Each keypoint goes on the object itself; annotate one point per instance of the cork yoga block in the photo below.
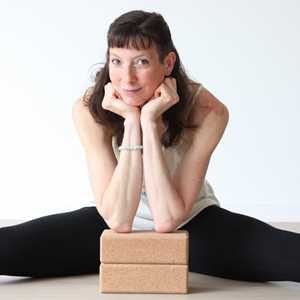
(145, 247)
(143, 262)
(147, 278)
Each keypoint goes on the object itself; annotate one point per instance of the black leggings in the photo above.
(221, 243)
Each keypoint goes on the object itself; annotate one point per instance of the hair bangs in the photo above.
(127, 40)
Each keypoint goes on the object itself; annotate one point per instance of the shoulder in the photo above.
(211, 117)
(204, 101)
(80, 106)
(82, 115)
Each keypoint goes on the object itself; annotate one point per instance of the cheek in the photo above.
(152, 80)
(113, 75)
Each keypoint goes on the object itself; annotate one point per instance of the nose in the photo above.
(129, 75)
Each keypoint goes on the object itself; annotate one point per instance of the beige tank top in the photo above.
(143, 219)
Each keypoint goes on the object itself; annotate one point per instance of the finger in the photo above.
(170, 88)
(118, 95)
(157, 93)
(171, 83)
(175, 83)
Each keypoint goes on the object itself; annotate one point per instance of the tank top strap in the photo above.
(194, 97)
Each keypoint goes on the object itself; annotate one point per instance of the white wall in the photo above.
(245, 52)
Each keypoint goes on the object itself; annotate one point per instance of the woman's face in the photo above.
(135, 74)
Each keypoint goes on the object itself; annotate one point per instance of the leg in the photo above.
(55, 245)
(235, 246)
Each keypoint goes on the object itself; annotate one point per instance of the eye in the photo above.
(145, 61)
(115, 59)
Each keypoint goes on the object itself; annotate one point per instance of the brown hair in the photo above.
(138, 29)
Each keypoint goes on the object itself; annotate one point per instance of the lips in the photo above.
(131, 90)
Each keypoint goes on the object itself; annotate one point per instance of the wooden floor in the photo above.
(85, 287)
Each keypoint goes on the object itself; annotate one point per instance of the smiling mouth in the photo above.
(131, 91)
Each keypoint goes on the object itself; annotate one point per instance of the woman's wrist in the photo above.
(145, 122)
(132, 123)
(132, 118)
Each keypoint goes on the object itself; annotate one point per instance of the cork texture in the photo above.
(144, 262)
(139, 278)
(144, 247)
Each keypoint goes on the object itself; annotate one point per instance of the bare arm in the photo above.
(116, 185)
(121, 198)
(166, 205)
(171, 199)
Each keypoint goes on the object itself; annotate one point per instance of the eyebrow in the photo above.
(133, 57)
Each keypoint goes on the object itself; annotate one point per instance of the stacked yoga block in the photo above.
(144, 262)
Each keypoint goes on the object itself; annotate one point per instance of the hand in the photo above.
(163, 98)
(112, 101)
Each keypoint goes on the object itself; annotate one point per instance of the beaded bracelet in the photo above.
(135, 147)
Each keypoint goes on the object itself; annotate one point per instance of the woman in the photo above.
(148, 132)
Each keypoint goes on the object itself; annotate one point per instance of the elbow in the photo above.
(226, 114)
(115, 226)
(125, 228)
(165, 227)
(171, 225)
(120, 228)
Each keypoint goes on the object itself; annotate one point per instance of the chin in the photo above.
(133, 102)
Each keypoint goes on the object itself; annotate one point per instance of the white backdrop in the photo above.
(245, 52)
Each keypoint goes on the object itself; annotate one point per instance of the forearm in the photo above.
(164, 201)
(121, 198)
